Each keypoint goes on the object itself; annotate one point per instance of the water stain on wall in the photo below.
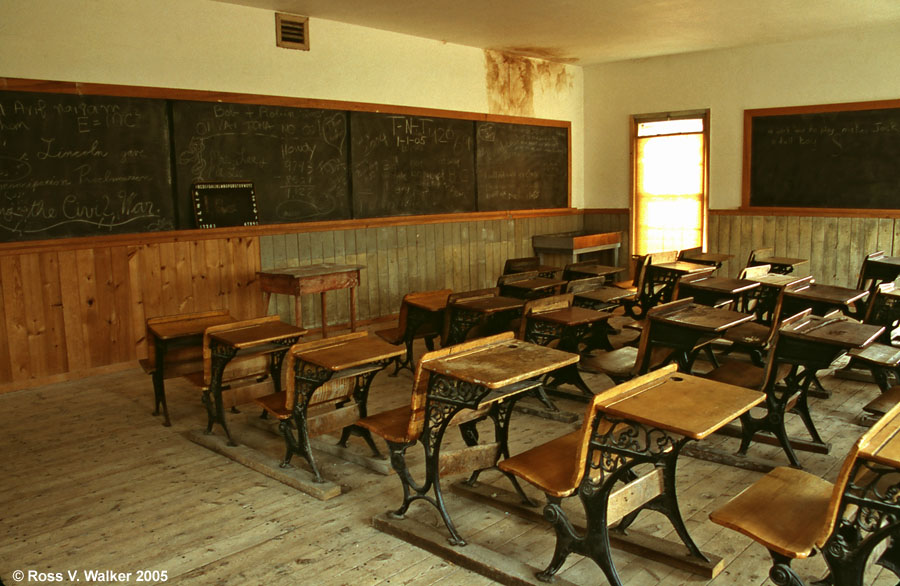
(511, 79)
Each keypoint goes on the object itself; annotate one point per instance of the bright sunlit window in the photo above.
(669, 206)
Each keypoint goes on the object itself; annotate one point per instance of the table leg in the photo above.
(324, 315)
(159, 384)
(215, 409)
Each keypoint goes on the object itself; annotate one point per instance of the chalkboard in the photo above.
(840, 158)
(403, 165)
(80, 159)
(75, 165)
(217, 205)
(522, 166)
(295, 157)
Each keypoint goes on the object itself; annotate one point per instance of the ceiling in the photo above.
(596, 31)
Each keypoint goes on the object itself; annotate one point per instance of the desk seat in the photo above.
(782, 511)
(550, 466)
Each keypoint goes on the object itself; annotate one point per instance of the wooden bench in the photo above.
(415, 323)
(174, 348)
(310, 388)
(793, 513)
(780, 400)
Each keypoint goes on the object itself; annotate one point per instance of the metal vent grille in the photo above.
(292, 32)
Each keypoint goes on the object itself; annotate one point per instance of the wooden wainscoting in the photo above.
(459, 255)
(65, 310)
(835, 246)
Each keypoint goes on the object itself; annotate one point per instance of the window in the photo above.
(670, 154)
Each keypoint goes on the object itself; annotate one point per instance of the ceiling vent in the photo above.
(291, 31)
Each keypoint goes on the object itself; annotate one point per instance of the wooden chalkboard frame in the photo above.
(240, 193)
(746, 176)
(184, 224)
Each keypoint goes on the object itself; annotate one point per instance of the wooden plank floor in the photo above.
(93, 482)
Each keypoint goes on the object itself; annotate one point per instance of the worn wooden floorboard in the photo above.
(92, 480)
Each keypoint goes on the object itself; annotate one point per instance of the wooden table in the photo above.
(489, 379)
(710, 290)
(489, 311)
(319, 278)
(688, 330)
(571, 326)
(273, 339)
(822, 299)
(648, 426)
(360, 359)
(707, 258)
(170, 332)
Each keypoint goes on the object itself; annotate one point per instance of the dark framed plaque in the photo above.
(224, 204)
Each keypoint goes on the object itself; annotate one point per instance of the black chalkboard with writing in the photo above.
(75, 165)
(833, 159)
(405, 165)
(296, 158)
(522, 166)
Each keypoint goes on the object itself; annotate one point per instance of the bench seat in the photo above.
(549, 466)
(783, 511)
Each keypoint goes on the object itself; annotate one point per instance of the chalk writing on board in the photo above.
(80, 165)
(521, 166)
(404, 165)
(295, 157)
(839, 159)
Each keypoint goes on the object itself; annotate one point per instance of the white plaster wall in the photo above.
(858, 66)
(205, 45)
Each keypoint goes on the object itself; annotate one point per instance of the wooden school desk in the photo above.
(319, 278)
(491, 378)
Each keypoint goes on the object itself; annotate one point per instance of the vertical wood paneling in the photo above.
(55, 324)
(122, 326)
(33, 306)
(65, 311)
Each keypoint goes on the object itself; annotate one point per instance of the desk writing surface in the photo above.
(834, 331)
(489, 304)
(703, 317)
(681, 266)
(725, 285)
(535, 284)
(607, 294)
(499, 365)
(187, 327)
(687, 405)
(828, 293)
(776, 280)
(257, 334)
(707, 257)
(782, 260)
(884, 447)
(352, 353)
(432, 302)
(572, 316)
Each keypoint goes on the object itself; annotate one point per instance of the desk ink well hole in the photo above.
(677, 379)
